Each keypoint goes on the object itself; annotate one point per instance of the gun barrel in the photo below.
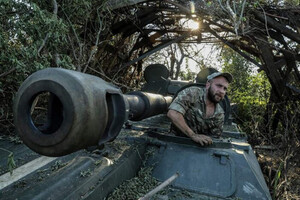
(82, 110)
(143, 105)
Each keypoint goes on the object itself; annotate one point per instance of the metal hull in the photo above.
(226, 170)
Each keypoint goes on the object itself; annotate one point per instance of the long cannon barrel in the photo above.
(82, 111)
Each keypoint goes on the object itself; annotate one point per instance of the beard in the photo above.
(213, 97)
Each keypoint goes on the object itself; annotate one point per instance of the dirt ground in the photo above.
(281, 170)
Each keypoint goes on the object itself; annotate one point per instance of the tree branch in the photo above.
(235, 49)
(8, 72)
(278, 26)
(160, 187)
(55, 9)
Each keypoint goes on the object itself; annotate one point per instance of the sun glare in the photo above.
(191, 24)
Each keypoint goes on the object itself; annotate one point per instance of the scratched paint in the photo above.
(251, 190)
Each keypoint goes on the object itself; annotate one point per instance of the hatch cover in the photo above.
(201, 170)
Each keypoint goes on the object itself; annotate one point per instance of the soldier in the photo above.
(196, 111)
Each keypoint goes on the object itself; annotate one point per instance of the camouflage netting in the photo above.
(138, 186)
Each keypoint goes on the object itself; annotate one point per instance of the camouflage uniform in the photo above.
(191, 103)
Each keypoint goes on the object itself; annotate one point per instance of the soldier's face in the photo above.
(216, 89)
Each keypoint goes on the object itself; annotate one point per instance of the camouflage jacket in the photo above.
(191, 103)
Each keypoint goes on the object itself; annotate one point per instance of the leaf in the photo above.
(277, 177)
(11, 163)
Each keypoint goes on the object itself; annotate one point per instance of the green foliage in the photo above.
(58, 165)
(11, 165)
(249, 91)
(25, 27)
(85, 173)
(33, 34)
(255, 91)
(208, 3)
(247, 87)
(37, 34)
(276, 180)
(187, 75)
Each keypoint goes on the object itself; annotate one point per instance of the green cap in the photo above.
(228, 76)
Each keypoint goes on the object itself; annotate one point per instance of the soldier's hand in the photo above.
(202, 139)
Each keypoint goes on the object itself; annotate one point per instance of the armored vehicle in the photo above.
(94, 139)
